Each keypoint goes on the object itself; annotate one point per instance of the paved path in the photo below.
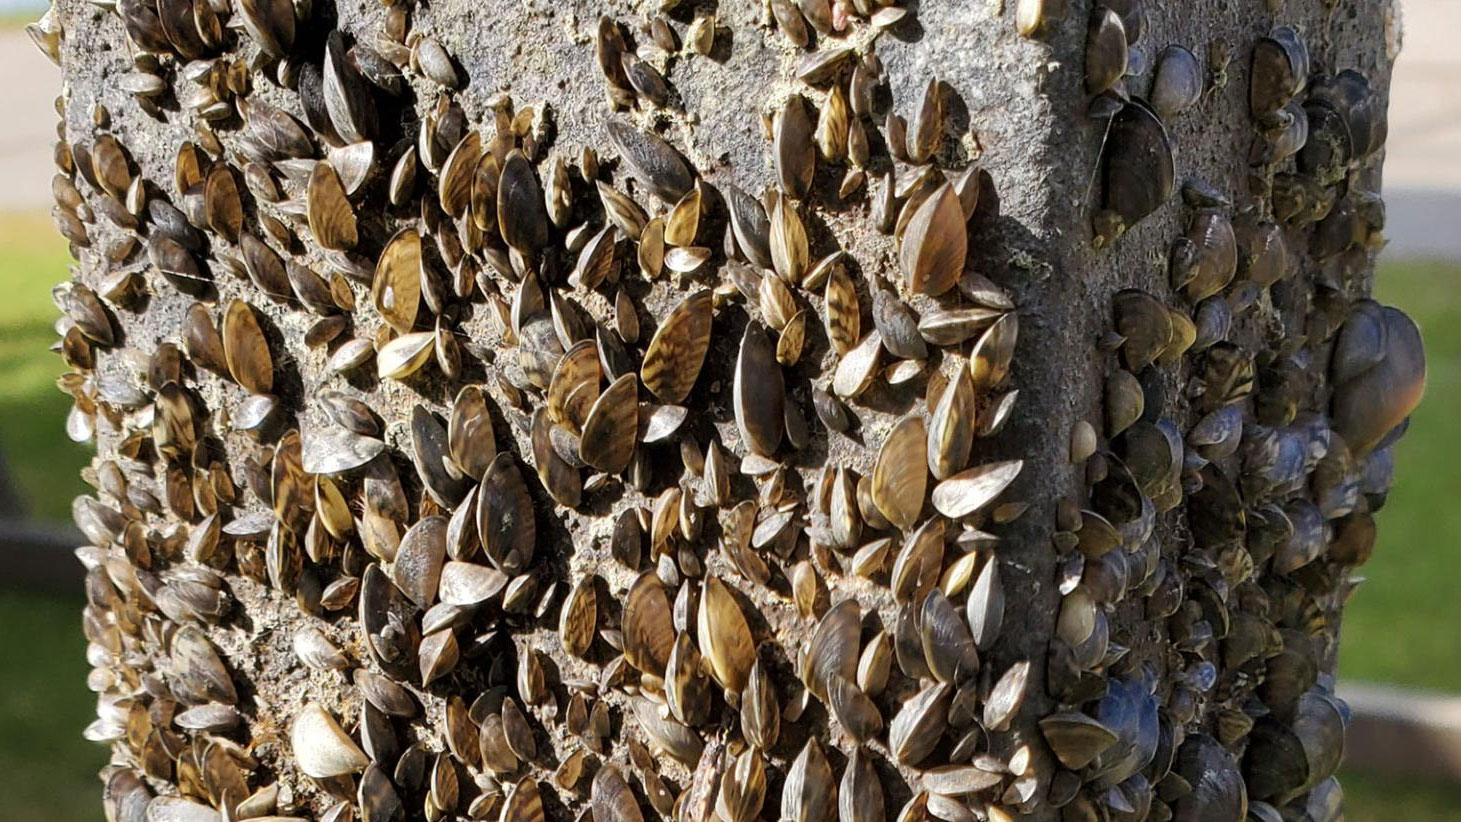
(1399, 731)
(28, 125)
(1424, 147)
(1423, 152)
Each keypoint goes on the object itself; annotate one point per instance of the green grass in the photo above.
(47, 771)
(1372, 798)
(1400, 625)
(40, 460)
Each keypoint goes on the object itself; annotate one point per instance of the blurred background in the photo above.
(1401, 656)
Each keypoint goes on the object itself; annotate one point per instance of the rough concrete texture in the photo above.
(1017, 108)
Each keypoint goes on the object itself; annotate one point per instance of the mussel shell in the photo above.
(1138, 166)
(1178, 84)
(652, 159)
(1218, 791)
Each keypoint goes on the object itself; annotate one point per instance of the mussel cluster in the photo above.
(1234, 485)
(456, 466)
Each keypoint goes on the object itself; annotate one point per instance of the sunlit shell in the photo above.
(575, 385)
(417, 569)
(467, 583)
(952, 426)
(900, 476)
(321, 749)
(687, 683)
(857, 368)
(245, 348)
(331, 449)
(832, 123)
(833, 648)
(853, 709)
(948, 647)
(610, 428)
(724, 636)
(934, 244)
(683, 222)
(985, 608)
(795, 152)
(396, 290)
(270, 23)
(789, 345)
(559, 477)
(674, 356)
(454, 183)
(842, 311)
(860, 797)
(523, 802)
(579, 618)
(666, 734)
(760, 711)
(972, 489)
(611, 799)
(656, 162)
(469, 432)
(759, 393)
(622, 211)
(221, 203)
(810, 791)
(788, 242)
(199, 675)
(331, 217)
(648, 628)
(742, 788)
(521, 214)
(505, 518)
(404, 355)
(915, 730)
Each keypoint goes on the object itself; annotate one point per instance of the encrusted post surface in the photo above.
(522, 448)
